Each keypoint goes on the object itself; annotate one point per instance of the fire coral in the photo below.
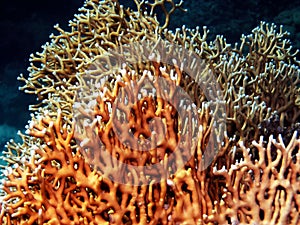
(254, 177)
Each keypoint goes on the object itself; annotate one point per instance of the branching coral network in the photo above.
(78, 160)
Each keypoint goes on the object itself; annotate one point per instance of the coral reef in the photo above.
(60, 173)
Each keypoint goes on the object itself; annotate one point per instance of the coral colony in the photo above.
(137, 124)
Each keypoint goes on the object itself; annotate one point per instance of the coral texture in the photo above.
(58, 175)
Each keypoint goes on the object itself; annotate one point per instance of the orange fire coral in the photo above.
(263, 190)
(140, 125)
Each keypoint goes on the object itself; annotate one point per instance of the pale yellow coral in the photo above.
(59, 176)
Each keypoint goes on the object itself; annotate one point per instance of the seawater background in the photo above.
(26, 25)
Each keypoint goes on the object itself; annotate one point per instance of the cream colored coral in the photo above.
(48, 180)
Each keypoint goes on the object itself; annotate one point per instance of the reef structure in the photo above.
(58, 174)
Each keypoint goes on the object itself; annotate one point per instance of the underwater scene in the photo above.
(150, 112)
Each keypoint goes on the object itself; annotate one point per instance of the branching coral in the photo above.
(263, 191)
(81, 163)
(258, 76)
